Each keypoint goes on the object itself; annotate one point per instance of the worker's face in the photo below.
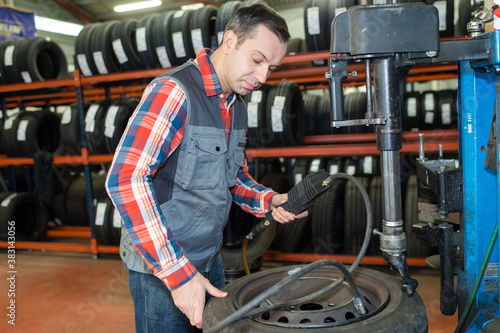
(249, 64)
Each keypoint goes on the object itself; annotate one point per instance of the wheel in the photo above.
(389, 309)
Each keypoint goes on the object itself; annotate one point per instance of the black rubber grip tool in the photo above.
(300, 198)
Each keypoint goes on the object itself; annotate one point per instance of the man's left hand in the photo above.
(279, 213)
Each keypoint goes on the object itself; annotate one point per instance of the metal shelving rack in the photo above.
(298, 68)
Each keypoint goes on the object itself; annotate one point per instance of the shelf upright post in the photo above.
(85, 161)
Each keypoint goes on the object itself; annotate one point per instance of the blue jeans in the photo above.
(155, 311)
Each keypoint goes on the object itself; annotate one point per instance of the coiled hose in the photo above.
(250, 309)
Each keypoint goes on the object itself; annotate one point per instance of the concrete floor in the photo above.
(71, 292)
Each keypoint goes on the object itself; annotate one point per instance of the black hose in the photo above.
(249, 308)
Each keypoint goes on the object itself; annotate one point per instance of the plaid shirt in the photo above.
(154, 131)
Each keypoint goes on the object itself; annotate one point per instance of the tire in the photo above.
(9, 134)
(226, 12)
(447, 109)
(107, 230)
(84, 57)
(163, 43)
(76, 198)
(102, 49)
(94, 126)
(57, 209)
(42, 133)
(328, 220)
(144, 37)
(389, 314)
(116, 120)
(202, 28)
(412, 109)
(33, 132)
(125, 46)
(30, 219)
(428, 118)
(17, 48)
(181, 35)
(318, 18)
(70, 129)
(3, 72)
(256, 103)
(354, 216)
(311, 110)
(293, 45)
(285, 115)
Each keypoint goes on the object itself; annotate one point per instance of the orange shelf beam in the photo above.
(362, 149)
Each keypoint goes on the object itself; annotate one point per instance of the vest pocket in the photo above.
(205, 163)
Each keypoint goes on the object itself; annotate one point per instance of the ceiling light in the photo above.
(59, 27)
(193, 6)
(137, 5)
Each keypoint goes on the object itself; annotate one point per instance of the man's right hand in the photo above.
(190, 298)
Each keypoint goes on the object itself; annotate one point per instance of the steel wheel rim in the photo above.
(333, 309)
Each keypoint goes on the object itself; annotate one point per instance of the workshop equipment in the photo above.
(390, 39)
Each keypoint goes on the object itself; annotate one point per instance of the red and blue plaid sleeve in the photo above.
(154, 131)
(251, 196)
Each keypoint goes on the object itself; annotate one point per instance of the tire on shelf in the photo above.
(57, 209)
(163, 44)
(226, 12)
(30, 219)
(84, 57)
(106, 225)
(428, 118)
(285, 115)
(41, 133)
(355, 215)
(94, 126)
(293, 45)
(241, 223)
(318, 18)
(256, 103)
(412, 110)
(181, 35)
(328, 220)
(116, 120)
(311, 109)
(3, 74)
(76, 198)
(202, 28)
(390, 317)
(13, 52)
(447, 109)
(144, 37)
(70, 129)
(9, 134)
(32, 132)
(125, 46)
(102, 49)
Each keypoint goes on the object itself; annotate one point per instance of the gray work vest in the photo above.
(192, 186)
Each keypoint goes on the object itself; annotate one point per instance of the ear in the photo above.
(229, 41)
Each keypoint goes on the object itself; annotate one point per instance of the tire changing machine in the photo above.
(391, 39)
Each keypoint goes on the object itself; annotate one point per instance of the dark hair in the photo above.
(247, 18)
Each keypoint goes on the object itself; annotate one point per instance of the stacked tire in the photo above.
(30, 60)
(156, 40)
(105, 122)
(22, 211)
(30, 132)
(429, 110)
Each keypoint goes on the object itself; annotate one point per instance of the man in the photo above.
(180, 163)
